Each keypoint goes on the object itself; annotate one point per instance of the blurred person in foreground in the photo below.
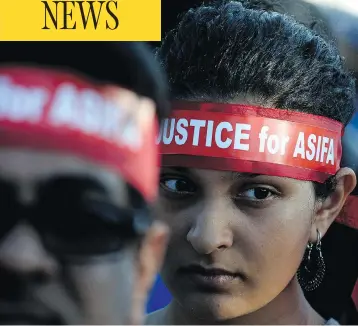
(78, 169)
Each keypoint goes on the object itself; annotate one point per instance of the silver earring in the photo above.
(311, 272)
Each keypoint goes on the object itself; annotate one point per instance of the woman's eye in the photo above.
(178, 185)
(256, 194)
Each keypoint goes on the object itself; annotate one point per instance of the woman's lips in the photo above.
(211, 279)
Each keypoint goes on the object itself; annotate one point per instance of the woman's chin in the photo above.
(215, 307)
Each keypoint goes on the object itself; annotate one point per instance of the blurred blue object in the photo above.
(344, 24)
(159, 296)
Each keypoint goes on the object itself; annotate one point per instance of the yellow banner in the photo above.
(66, 20)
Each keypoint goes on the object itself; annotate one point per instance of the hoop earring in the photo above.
(312, 269)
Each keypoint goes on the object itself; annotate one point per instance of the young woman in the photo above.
(251, 180)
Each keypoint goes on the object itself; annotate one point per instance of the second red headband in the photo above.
(251, 140)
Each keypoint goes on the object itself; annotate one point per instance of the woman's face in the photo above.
(237, 239)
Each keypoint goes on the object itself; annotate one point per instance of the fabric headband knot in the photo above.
(61, 111)
(250, 139)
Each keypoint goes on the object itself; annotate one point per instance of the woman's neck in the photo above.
(290, 307)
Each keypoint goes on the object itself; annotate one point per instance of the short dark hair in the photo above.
(129, 64)
(226, 49)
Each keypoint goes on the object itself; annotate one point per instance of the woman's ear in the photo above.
(329, 209)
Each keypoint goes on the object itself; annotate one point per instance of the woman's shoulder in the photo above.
(155, 318)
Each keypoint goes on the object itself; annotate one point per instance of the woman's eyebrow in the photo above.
(179, 169)
(237, 175)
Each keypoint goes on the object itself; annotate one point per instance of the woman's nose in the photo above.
(211, 231)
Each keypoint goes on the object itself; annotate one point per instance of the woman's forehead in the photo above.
(28, 167)
(221, 174)
(38, 164)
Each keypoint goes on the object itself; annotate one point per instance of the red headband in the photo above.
(250, 139)
(51, 110)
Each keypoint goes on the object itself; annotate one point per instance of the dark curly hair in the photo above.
(230, 49)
